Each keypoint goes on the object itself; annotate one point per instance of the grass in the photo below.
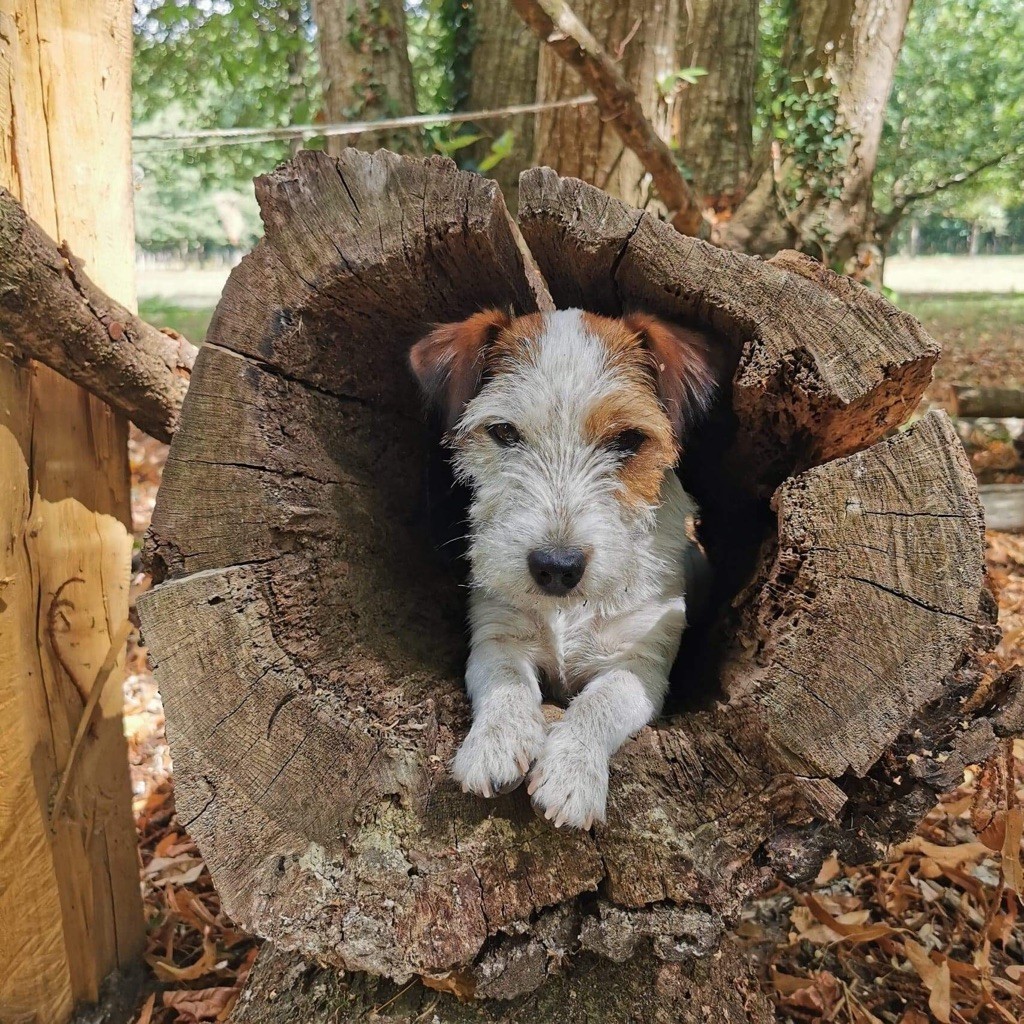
(936, 275)
(193, 323)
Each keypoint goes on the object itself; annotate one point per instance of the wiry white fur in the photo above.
(608, 644)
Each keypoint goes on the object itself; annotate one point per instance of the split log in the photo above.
(309, 642)
(51, 311)
(969, 402)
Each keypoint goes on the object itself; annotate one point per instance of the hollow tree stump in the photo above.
(309, 642)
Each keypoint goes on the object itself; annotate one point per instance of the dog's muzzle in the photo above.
(557, 570)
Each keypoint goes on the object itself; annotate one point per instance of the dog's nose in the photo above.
(557, 570)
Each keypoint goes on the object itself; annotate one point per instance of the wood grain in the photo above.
(70, 908)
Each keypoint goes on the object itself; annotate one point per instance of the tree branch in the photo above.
(50, 311)
(902, 201)
(555, 24)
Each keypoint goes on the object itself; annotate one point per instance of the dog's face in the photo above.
(564, 426)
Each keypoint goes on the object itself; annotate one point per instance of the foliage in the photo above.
(957, 102)
(805, 124)
(672, 82)
(181, 205)
(214, 64)
(797, 109)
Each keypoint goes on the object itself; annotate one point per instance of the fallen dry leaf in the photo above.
(147, 1009)
(821, 995)
(961, 853)
(1013, 875)
(935, 977)
(458, 983)
(205, 1004)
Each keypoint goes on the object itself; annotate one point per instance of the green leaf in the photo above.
(670, 82)
(501, 147)
(448, 146)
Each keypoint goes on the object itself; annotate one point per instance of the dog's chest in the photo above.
(573, 646)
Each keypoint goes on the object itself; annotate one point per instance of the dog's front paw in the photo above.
(498, 751)
(569, 783)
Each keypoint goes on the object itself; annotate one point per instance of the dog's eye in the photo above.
(504, 434)
(628, 442)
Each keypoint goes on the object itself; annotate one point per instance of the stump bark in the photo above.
(309, 640)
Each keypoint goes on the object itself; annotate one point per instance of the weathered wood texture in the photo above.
(51, 311)
(70, 908)
(309, 643)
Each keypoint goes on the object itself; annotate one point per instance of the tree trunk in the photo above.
(311, 660)
(842, 57)
(713, 118)
(69, 892)
(974, 246)
(575, 140)
(503, 71)
(365, 69)
(914, 244)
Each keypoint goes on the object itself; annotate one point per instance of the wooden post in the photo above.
(70, 908)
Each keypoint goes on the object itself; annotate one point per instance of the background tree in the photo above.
(713, 94)
(776, 109)
(503, 70)
(954, 127)
(365, 68)
(245, 64)
(813, 184)
(644, 37)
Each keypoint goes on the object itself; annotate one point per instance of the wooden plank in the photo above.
(1004, 506)
(969, 402)
(70, 908)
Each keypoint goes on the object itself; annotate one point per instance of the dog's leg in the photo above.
(570, 780)
(508, 727)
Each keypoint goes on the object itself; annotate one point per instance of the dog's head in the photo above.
(564, 426)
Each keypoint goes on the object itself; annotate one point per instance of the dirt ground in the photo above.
(930, 933)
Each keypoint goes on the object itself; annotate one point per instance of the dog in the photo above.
(566, 427)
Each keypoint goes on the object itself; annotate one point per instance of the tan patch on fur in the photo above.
(682, 361)
(516, 344)
(449, 362)
(634, 405)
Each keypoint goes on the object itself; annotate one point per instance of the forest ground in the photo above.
(930, 932)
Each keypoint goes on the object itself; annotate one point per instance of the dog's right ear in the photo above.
(449, 362)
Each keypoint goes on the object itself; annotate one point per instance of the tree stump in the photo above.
(309, 641)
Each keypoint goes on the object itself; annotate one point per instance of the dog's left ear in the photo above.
(684, 368)
(449, 361)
